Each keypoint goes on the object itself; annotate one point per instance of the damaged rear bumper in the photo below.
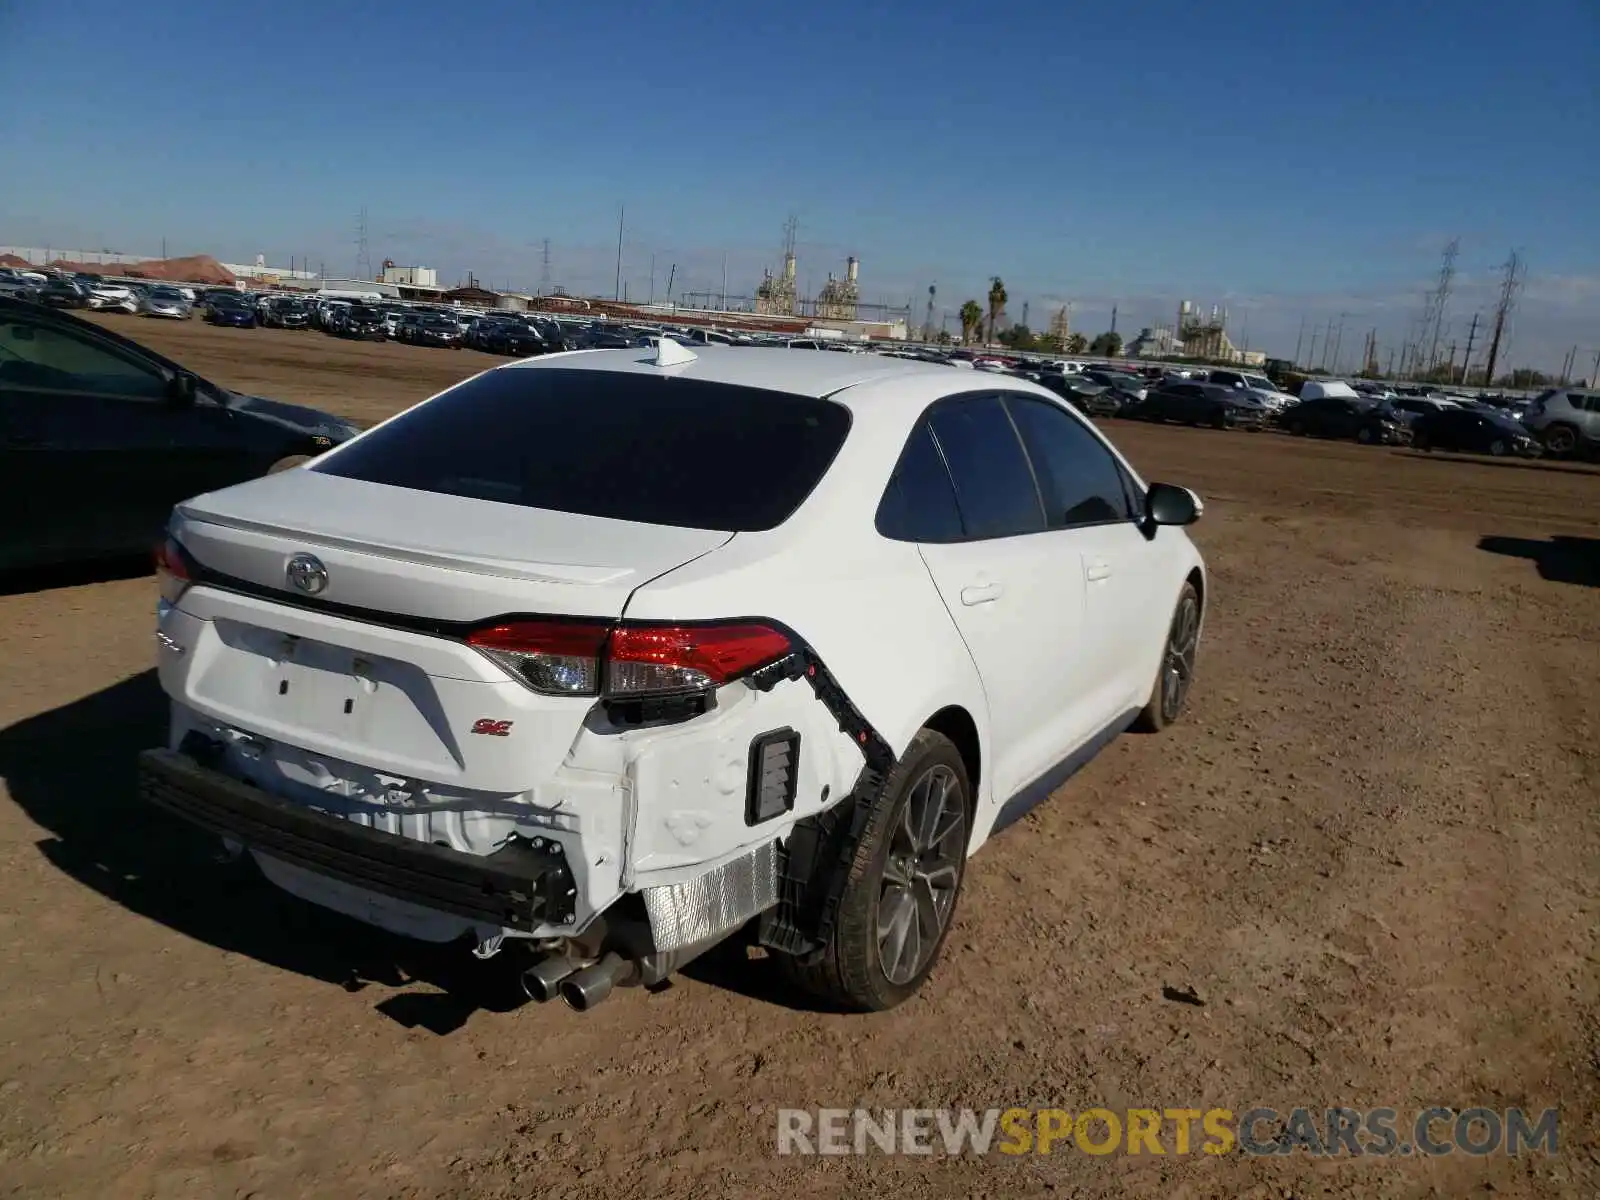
(522, 886)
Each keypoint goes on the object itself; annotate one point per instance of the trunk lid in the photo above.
(425, 555)
(373, 675)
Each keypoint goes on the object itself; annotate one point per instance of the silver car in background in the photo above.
(163, 301)
(1566, 420)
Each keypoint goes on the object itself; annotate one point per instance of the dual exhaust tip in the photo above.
(582, 989)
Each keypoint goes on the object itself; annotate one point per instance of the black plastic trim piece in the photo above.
(522, 886)
(753, 812)
(815, 864)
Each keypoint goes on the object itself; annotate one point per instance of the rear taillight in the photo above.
(172, 571)
(687, 658)
(562, 658)
(558, 658)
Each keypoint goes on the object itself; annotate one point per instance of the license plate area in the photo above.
(291, 684)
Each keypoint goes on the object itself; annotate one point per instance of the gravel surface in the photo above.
(1361, 871)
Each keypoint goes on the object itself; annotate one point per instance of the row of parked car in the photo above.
(1561, 422)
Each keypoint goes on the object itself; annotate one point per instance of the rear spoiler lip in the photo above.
(497, 567)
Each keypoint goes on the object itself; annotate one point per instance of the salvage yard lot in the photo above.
(1372, 850)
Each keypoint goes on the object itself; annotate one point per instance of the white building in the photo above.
(422, 277)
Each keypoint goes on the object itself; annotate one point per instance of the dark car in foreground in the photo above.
(100, 437)
(1344, 417)
(1473, 432)
(1200, 404)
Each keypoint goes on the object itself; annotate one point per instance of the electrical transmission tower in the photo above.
(927, 324)
(544, 270)
(363, 256)
(1434, 306)
(1510, 284)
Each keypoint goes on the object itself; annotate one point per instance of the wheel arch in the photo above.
(956, 723)
(1197, 577)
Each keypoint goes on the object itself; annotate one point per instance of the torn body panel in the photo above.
(654, 809)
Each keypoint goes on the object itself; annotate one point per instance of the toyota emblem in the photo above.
(307, 574)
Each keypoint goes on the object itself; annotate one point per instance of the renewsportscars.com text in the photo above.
(1330, 1132)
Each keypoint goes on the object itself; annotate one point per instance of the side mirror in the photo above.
(181, 391)
(1169, 504)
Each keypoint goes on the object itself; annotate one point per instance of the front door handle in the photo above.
(980, 594)
(1097, 569)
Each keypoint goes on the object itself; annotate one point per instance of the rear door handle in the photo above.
(1096, 570)
(981, 594)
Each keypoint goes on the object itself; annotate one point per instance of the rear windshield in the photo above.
(646, 448)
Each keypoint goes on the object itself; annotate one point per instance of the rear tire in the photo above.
(1364, 436)
(905, 877)
(1176, 673)
(1560, 439)
(1498, 448)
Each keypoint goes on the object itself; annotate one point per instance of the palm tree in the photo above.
(1077, 343)
(997, 303)
(971, 320)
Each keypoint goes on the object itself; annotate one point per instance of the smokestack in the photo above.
(852, 268)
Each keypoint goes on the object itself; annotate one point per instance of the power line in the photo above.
(363, 258)
(1510, 284)
(1434, 304)
(1466, 359)
(621, 216)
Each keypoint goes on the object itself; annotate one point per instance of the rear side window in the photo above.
(994, 483)
(645, 448)
(919, 504)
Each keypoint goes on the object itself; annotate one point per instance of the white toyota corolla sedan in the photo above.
(607, 656)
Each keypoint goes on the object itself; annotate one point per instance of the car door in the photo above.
(76, 414)
(1343, 417)
(1013, 587)
(1454, 429)
(1164, 402)
(1092, 509)
(1192, 403)
(97, 445)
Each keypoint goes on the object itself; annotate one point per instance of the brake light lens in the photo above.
(562, 658)
(558, 658)
(172, 572)
(684, 658)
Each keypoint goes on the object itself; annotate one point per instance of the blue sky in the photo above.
(1292, 161)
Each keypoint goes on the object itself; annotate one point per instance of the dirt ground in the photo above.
(1371, 849)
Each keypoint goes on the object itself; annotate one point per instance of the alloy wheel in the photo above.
(921, 874)
(1177, 668)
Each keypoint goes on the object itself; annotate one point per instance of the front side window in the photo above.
(48, 358)
(1078, 476)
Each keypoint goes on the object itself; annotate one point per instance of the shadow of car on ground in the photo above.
(1561, 559)
(73, 771)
